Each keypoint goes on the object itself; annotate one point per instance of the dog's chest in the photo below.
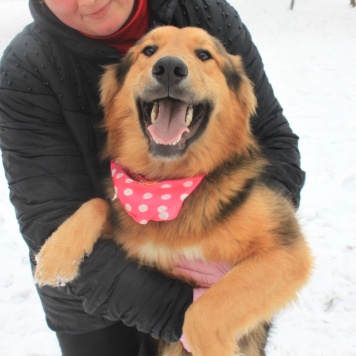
(154, 252)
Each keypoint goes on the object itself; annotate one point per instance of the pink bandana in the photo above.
(145, 200)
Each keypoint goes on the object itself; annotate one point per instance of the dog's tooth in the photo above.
(189, 116)
(169, 144)
(154, 112)
(176, 142)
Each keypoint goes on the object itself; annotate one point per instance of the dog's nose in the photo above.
(170, 71)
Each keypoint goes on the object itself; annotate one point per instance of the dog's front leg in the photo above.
(59, 258)
(251, 292)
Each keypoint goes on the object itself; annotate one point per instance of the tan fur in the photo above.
(261, 238)
(59, 258)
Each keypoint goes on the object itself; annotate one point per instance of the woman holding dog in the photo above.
(51, 142)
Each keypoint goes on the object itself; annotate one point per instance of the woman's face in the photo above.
(93, 17)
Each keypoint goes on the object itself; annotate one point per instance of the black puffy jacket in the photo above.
(49, 136)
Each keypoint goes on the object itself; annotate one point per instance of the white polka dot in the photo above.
(166, 186)
(128, 180)
(183, 196)
(128, 207)
(113, 171)
(164, 215)
(128, 192)
(147, 196)
(143, 222)
(120, 175)
(162, 208)
(143, 208)
(188, 184)
(115, 195)
(166, 197)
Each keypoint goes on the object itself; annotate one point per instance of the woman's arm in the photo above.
(270, 126)
(117, 289)
(48, 181)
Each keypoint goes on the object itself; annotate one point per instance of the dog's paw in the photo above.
(54, 273)
(57, 264)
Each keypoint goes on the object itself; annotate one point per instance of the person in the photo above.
(51, 141)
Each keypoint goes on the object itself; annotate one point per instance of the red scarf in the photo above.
(131, 32)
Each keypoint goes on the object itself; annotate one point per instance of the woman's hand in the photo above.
(204, 274)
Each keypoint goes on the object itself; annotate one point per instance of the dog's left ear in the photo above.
(239, 82)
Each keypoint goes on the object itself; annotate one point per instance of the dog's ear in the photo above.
(108, 86)
(238, 82)
(112, 80)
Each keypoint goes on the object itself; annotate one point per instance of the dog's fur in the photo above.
(232, 216)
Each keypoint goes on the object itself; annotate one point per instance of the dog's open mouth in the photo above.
(171, 125)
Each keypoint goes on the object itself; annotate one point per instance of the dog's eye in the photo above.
(203, 55)
(149, 50)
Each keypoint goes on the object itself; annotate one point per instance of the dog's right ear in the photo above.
(112, 80)
(108, 86)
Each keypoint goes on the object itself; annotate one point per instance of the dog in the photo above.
(177, 114)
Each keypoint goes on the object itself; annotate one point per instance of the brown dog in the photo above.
(176, 108)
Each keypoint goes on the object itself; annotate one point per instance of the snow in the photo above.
(310, 56)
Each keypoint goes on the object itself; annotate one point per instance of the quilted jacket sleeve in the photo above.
(139, 297)
(48, 181)
(270, 126)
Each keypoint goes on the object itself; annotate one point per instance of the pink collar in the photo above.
(146, 200)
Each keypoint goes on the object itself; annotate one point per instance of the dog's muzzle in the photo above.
(169, 115)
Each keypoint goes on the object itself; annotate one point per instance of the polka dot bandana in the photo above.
(145, 200)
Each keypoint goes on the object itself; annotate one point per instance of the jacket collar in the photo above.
(160, 12)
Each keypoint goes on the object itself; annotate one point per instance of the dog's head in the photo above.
(178, 102)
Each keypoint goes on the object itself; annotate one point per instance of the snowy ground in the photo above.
(310, 57)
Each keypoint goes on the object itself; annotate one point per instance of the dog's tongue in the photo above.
(170, 123)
